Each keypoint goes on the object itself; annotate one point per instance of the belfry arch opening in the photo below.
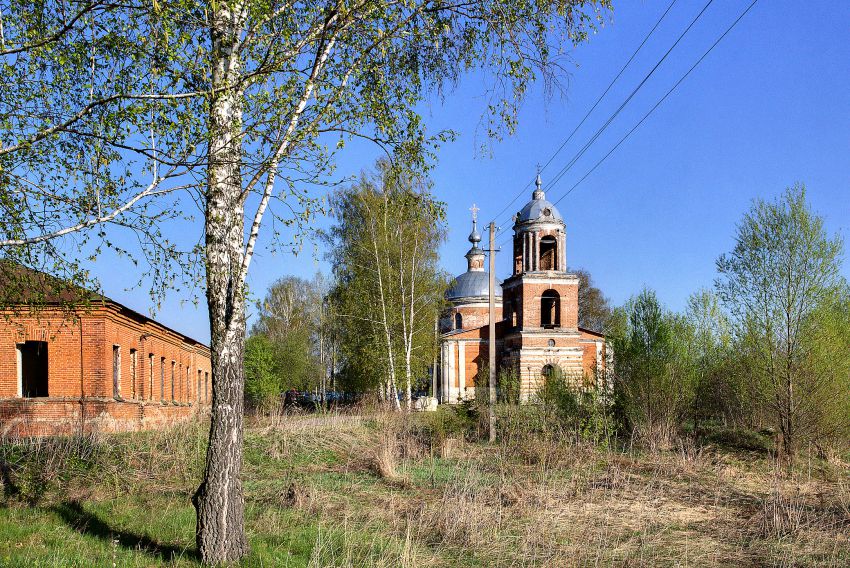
(550, 309)
(518, 254)
(548, 253)
(458, 321)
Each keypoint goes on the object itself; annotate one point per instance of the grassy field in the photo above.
(383, 490)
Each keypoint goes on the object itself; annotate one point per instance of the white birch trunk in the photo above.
(218, 501)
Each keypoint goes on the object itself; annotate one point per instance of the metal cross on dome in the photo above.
(475, 211)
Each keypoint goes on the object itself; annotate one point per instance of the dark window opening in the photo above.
(33, 369)
(173, 364)
(552, 372)
(162, 378)
(206, 387)
(550, 309)
(198, 391)
(548, 254)
(116, 371)
(458, 321)
(150, 372)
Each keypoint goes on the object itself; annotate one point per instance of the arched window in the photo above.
(551, 372)
(550, 309)
(548, 253)
(458, 321)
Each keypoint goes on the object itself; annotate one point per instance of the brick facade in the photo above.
(108, 368)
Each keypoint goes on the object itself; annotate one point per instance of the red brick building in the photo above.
(537, 332)
(104, 367)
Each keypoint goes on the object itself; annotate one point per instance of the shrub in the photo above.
(447, 422)
(654, 378)
(585, 414)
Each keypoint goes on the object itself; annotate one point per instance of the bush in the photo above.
(509, 383)
(738, 439)
(585, 414)
(447, 422)
(654, 377)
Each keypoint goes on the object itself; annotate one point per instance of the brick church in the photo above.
(95, 367)
(537, 332)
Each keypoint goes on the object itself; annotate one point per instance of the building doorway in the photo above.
(32, 366)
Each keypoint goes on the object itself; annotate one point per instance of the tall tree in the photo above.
(653, 370)
(594, 312)
(783, 287)
(108, 109)
(389, 287)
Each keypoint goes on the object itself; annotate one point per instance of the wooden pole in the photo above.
(491, 346)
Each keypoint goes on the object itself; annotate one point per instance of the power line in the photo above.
(602, 129)
(657, 104)
(661, 100)
(592, 108)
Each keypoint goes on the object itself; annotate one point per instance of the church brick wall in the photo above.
(474, 316)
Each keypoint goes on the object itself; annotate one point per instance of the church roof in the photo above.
(475, 282)
(472, 284)
(539, 208)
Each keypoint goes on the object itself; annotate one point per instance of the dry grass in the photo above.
(539, 502)
(380, 493)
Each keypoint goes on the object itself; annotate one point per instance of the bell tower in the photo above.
(539, 236)
(540, 299)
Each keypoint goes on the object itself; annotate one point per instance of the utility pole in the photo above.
(491, 345)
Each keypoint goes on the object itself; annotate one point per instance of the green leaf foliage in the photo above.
(654, 379)
(783, 288)
(389, 288)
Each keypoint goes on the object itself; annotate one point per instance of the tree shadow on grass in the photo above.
(88, 523)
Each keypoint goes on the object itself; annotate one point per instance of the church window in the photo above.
(551, 372)
(458, 321)
(548, 256)
(518, 253)
(173, 365)
(551, 343)
(550, 309)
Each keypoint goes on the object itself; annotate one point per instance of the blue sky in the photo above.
(769, 107)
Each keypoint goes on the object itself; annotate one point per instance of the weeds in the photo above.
(420, 490)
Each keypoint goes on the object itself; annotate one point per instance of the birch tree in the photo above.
(783, 287)
(118, 120)
(389, 287)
